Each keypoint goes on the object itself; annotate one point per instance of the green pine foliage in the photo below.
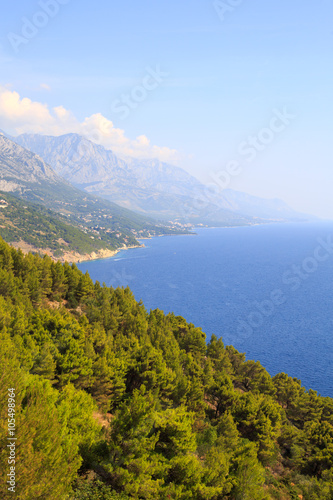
(115, 403)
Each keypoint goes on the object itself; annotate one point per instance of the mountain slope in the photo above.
(183, 419)
(17, 162)
(32, 227)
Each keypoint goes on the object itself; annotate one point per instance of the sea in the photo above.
(265, 289)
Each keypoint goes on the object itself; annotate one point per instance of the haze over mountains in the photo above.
(26, 174)
(151, 187)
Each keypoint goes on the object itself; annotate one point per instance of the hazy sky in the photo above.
(193, 82)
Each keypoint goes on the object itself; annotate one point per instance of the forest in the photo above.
(115, 402)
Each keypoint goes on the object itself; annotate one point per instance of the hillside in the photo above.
(113, 402)
(32, 227)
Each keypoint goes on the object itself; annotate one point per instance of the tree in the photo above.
(134, 466)
(58, 281)
(317, 442)
(45, 465)
(44, 363)
(249, 474)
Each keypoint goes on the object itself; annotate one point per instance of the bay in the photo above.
(265, 289)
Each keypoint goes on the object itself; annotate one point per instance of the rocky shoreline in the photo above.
(71, 257)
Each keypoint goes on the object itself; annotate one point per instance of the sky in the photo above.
(238, 93)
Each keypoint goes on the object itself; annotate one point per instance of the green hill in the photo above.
(107, 401)
(31, 226)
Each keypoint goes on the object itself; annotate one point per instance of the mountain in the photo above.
(94, 168)
(28, 177)
(247, 204)
(150, 187)
(18, 164)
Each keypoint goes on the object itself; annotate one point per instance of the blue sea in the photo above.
(266, 289)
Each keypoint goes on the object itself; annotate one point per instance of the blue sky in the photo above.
(223, 82)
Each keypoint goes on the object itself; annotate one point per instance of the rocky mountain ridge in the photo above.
(150, 187)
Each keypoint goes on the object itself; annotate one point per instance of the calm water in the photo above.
(265, 289)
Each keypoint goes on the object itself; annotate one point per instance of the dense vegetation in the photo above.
(113, 402)
(44, 229)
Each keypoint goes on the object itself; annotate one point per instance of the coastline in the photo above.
(104, 253)
(71, 257)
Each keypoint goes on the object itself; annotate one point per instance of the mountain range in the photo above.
(63, 209)
(149, 187)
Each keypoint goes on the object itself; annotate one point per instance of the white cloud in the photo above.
(22, 115)
(45, 86)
